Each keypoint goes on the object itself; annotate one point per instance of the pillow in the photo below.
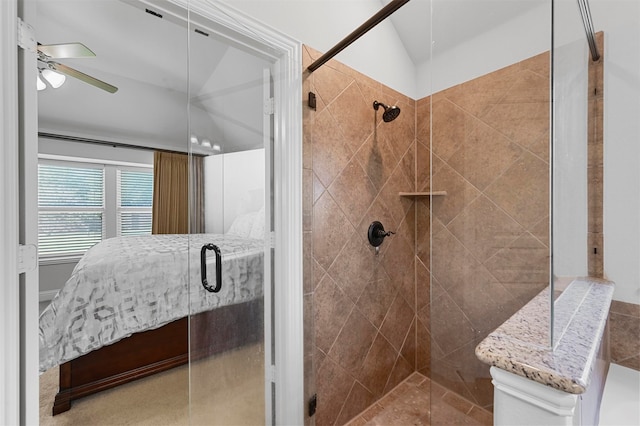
(257, 230)
(242, 225)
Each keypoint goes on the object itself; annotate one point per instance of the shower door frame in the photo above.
(286, 54)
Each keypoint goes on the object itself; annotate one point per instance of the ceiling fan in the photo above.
(47, 54)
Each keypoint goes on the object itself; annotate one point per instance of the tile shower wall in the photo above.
(490, 152)
(360, 306)
(624, 329)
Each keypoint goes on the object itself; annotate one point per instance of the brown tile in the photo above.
(359, 398)
(354, 115)
(353, 192)
(450, 126)
(480, 415)
(528, 87)
(540, 64)
(523, 267)
(376, 299)
(408, 164)
(423, 349)
(330, 154)
(331, 310)
(455, 401)
(483, 155)
(334, 385)
(423, 231)
(307, 263)
(540, 147)
(452, 264)
(423, 121)
(329, 83)
(318, 188)
(331, 230)
(398, 264)
(484, 229)
(522, 191)
(423, 167)
(318, 274)
(308, 316)
(624, 332)
(483, 300)
(397, 205)
(595, 254)
(355, 267)
(401, 370)
(358, 421)
(450, 328)
(377, 159)
(541, 231)
(523, 123)
(477, 96)
(408, 350)
(625, 308)
(397, 322)
(377, 365)
(472, 374)
(423, 286)
(352, 344)
(372, 412)
(633, 362)
(459, 194)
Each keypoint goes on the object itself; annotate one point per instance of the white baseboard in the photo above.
(45, 296)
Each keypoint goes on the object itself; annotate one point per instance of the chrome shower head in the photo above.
(390, 112)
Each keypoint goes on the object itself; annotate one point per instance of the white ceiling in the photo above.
(146, 57)
(450, 22)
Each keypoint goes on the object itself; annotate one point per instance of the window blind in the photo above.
(71, 209)
(135, 198)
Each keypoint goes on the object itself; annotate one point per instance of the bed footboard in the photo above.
(153, 351)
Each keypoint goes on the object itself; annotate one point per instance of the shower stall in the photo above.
(493, 185)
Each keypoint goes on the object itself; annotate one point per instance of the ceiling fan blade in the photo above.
(66, 50)
(82, 76)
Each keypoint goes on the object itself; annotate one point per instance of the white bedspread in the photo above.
(125, 285)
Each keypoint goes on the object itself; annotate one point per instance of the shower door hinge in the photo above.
(26, 36)
(269, 106)
(27, 258)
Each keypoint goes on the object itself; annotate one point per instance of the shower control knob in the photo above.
(376, 233)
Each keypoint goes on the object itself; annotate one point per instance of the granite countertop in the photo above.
(522, 344)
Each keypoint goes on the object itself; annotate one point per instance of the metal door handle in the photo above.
(203, 267)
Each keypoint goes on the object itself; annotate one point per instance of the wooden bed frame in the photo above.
(149, 352)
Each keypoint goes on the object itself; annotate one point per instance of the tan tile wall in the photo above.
(490, 152)
(624, 334)
(361, 307)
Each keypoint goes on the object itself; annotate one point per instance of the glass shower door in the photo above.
(230, 210)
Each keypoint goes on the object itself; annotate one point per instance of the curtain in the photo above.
(197, 195)
(171, 212)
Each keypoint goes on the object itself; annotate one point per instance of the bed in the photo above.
(123, 313)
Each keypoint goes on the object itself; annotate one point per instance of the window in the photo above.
(82, 203)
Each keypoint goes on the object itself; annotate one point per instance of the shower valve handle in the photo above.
(376, 233)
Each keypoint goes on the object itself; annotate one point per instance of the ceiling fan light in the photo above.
(55, 79)
(40, 84)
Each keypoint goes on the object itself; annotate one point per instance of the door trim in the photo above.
(9, 220)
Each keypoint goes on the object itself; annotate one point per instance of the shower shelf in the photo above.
(421, 194)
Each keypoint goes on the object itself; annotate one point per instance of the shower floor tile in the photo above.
(418, 401)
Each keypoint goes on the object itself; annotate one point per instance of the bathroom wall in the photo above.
(490, 232)
(360, 306)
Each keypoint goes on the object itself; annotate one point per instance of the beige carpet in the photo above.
(226, 390)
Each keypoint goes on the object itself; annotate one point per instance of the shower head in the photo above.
(390, 112)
